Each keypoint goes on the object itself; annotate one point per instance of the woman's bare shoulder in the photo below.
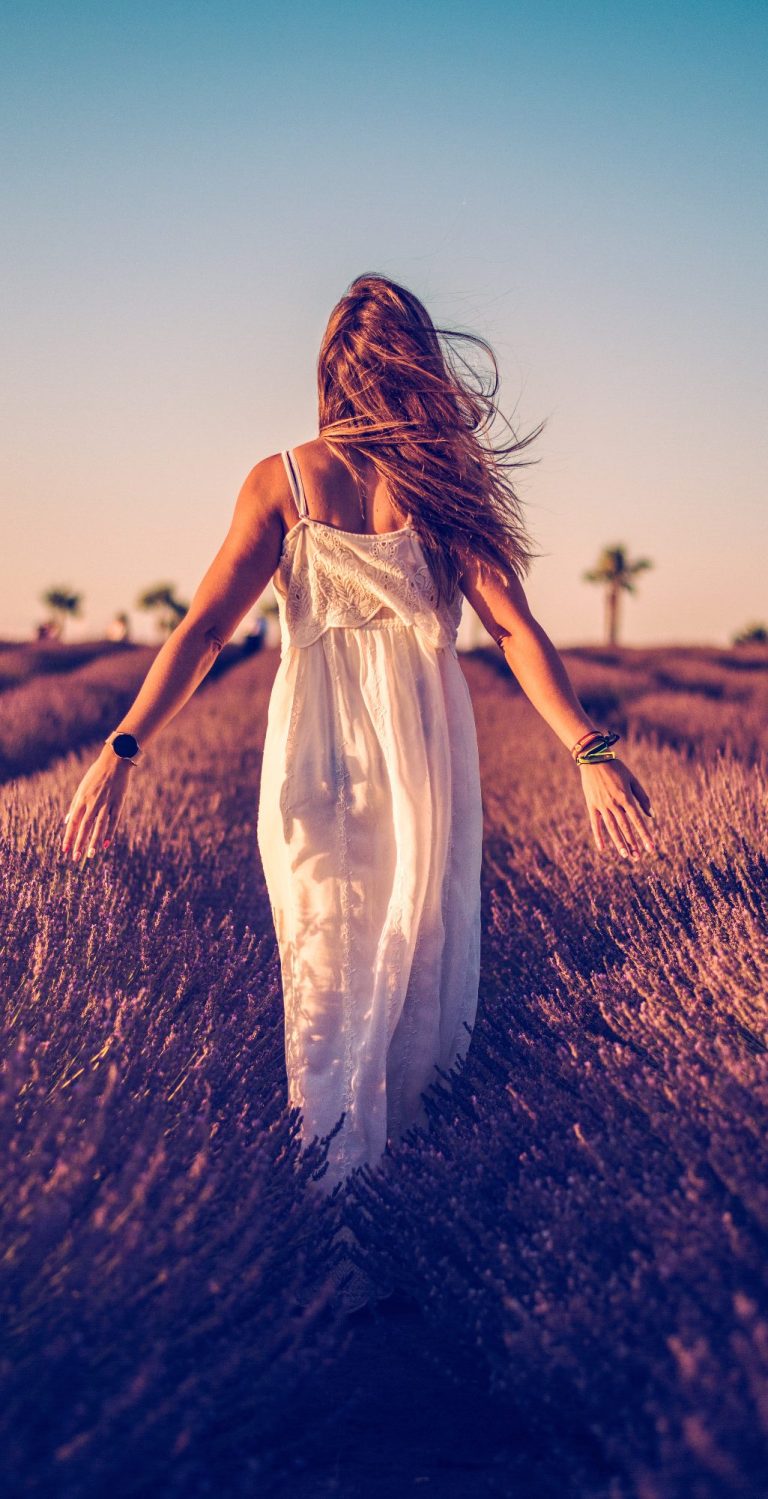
(266, 491)
(267, 475)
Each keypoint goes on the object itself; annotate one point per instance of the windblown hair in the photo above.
(389, 389)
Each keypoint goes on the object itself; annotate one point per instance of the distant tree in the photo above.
(61, 601)
(615, 572)
(169, 610)
(752, 635)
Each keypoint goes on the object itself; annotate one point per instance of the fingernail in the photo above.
(623, 853)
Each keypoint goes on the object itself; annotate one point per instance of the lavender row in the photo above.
(699, 699)
(164, 1286)
(588, 1208)
(53, 713)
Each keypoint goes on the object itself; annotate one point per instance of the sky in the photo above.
(189, 188)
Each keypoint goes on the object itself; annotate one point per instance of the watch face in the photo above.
(125, 745)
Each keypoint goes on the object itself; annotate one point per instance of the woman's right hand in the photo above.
(95, 808)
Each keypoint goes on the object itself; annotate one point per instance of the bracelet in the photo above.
(590, 734)
(597, 748)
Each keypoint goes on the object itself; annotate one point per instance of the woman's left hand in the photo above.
(616, 801)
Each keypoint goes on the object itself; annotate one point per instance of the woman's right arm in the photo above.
(237, 575)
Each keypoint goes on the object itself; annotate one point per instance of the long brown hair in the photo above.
(388, 388)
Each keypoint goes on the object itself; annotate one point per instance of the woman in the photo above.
(369, 823)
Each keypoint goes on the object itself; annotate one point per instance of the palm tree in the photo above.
(616, 571)
(752, 635)
(163, 598)
(61, 601)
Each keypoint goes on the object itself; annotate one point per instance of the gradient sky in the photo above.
(189, 188)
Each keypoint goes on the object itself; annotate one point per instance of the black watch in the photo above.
(125, 746)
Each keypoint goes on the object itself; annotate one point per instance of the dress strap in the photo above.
(294, 479)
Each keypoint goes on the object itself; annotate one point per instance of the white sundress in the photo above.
(370, 832)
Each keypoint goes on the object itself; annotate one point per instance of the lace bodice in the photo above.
(328, 578)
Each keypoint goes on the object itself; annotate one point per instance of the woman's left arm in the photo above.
(616, 801)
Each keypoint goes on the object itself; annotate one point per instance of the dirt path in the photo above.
(390, 1418)
(408, 1427)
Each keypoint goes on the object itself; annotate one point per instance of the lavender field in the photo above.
(579, 1237)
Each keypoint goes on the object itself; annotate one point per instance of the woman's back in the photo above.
(329, 576)
(336, 499)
